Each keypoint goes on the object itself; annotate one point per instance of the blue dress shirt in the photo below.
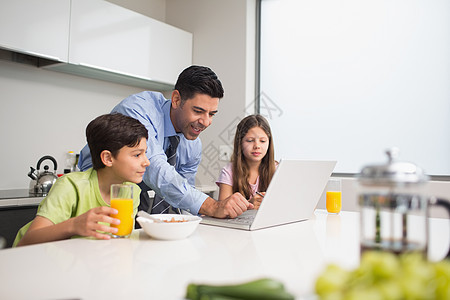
(174, 184)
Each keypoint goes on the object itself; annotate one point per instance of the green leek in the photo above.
(261, 289)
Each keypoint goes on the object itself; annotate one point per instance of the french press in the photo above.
(394, 207)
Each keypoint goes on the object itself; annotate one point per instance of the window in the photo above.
(346, 80)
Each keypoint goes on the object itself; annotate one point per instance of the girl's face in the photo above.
(255, 144)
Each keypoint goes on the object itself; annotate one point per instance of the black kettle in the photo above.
(42, 181)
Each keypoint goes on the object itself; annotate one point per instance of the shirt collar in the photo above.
(169, 130)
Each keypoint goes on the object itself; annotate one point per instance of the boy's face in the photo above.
(194, 115)
(130, 163)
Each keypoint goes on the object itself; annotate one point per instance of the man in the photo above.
(193, 104)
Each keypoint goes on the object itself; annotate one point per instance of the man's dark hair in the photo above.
(198, 79)
(112, 132)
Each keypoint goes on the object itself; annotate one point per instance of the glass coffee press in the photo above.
(394, 207)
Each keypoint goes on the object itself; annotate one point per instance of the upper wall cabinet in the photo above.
(109, 37)
(103, 41)
(38, 28)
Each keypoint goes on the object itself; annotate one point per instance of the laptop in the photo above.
(292, 196)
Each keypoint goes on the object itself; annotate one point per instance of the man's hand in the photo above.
(230, 207)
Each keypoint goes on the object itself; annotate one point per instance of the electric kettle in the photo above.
(394, 206)
(42, 181)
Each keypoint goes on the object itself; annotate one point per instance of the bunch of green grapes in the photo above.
(383, 275)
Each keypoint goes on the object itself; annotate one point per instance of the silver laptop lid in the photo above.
(293, 193)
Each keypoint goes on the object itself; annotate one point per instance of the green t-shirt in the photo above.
(72, 195)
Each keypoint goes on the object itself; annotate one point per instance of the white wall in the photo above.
(46, 113)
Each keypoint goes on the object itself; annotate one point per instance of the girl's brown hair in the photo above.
(239, 164)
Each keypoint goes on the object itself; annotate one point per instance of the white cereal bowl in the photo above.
(168, 230)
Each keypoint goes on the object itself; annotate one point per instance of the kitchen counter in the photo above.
(144, 268)
(18, 197)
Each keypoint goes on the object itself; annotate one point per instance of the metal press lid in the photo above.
(393, 172)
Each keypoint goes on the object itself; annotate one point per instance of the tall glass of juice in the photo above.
(122, 200)
(334, 196)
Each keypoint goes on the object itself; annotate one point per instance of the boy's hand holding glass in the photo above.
(94, 223)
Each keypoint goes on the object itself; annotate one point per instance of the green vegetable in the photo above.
(261, 289)
(385, 276)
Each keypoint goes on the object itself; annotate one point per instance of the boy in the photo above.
(78, 204)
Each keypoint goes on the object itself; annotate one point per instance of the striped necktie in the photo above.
(159, 205)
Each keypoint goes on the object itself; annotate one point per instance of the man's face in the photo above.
(194, 115)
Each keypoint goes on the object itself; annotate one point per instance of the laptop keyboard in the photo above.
(246, 218)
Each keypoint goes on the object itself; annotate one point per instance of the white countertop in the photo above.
(144, 268)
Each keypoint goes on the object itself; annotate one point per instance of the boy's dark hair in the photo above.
(198, 79)
(112, 132)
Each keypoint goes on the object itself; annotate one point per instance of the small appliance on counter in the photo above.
(42, 181)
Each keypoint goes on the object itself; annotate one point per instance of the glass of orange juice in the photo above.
(334, 195)
(122, 200)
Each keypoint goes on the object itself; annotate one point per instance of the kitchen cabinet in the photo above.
(109, 37)
(17, 208)
(97, 39)
(38, 28)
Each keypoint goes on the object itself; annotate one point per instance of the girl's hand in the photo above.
(88, 224)
(256, 200)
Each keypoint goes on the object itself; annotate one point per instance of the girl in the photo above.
(252, 163)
